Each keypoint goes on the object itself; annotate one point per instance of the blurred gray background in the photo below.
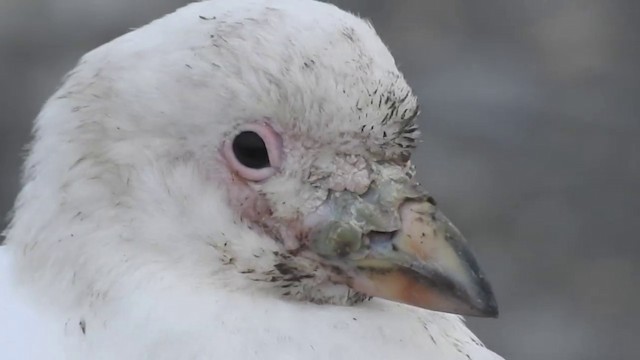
(531, 121)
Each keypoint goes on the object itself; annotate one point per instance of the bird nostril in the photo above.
(381, 239)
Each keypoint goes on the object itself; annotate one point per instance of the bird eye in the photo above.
(250, 150)
(255, 152)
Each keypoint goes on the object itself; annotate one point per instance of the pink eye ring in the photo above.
(254, 152)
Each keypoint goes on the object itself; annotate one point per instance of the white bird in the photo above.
(232, 181)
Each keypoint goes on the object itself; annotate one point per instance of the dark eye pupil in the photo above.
(250, 150)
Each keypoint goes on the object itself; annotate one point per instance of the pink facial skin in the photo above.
(245, 199)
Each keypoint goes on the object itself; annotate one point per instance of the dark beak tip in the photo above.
(491, 310)
(488, 305)
(486, 310)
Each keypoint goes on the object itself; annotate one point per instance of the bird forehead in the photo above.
(317, 62)
(319, 73)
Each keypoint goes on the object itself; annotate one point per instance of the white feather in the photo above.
(121, 243)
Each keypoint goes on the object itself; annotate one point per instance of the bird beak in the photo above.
(392, 242)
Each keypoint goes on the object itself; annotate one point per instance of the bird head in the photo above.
(267, 143)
